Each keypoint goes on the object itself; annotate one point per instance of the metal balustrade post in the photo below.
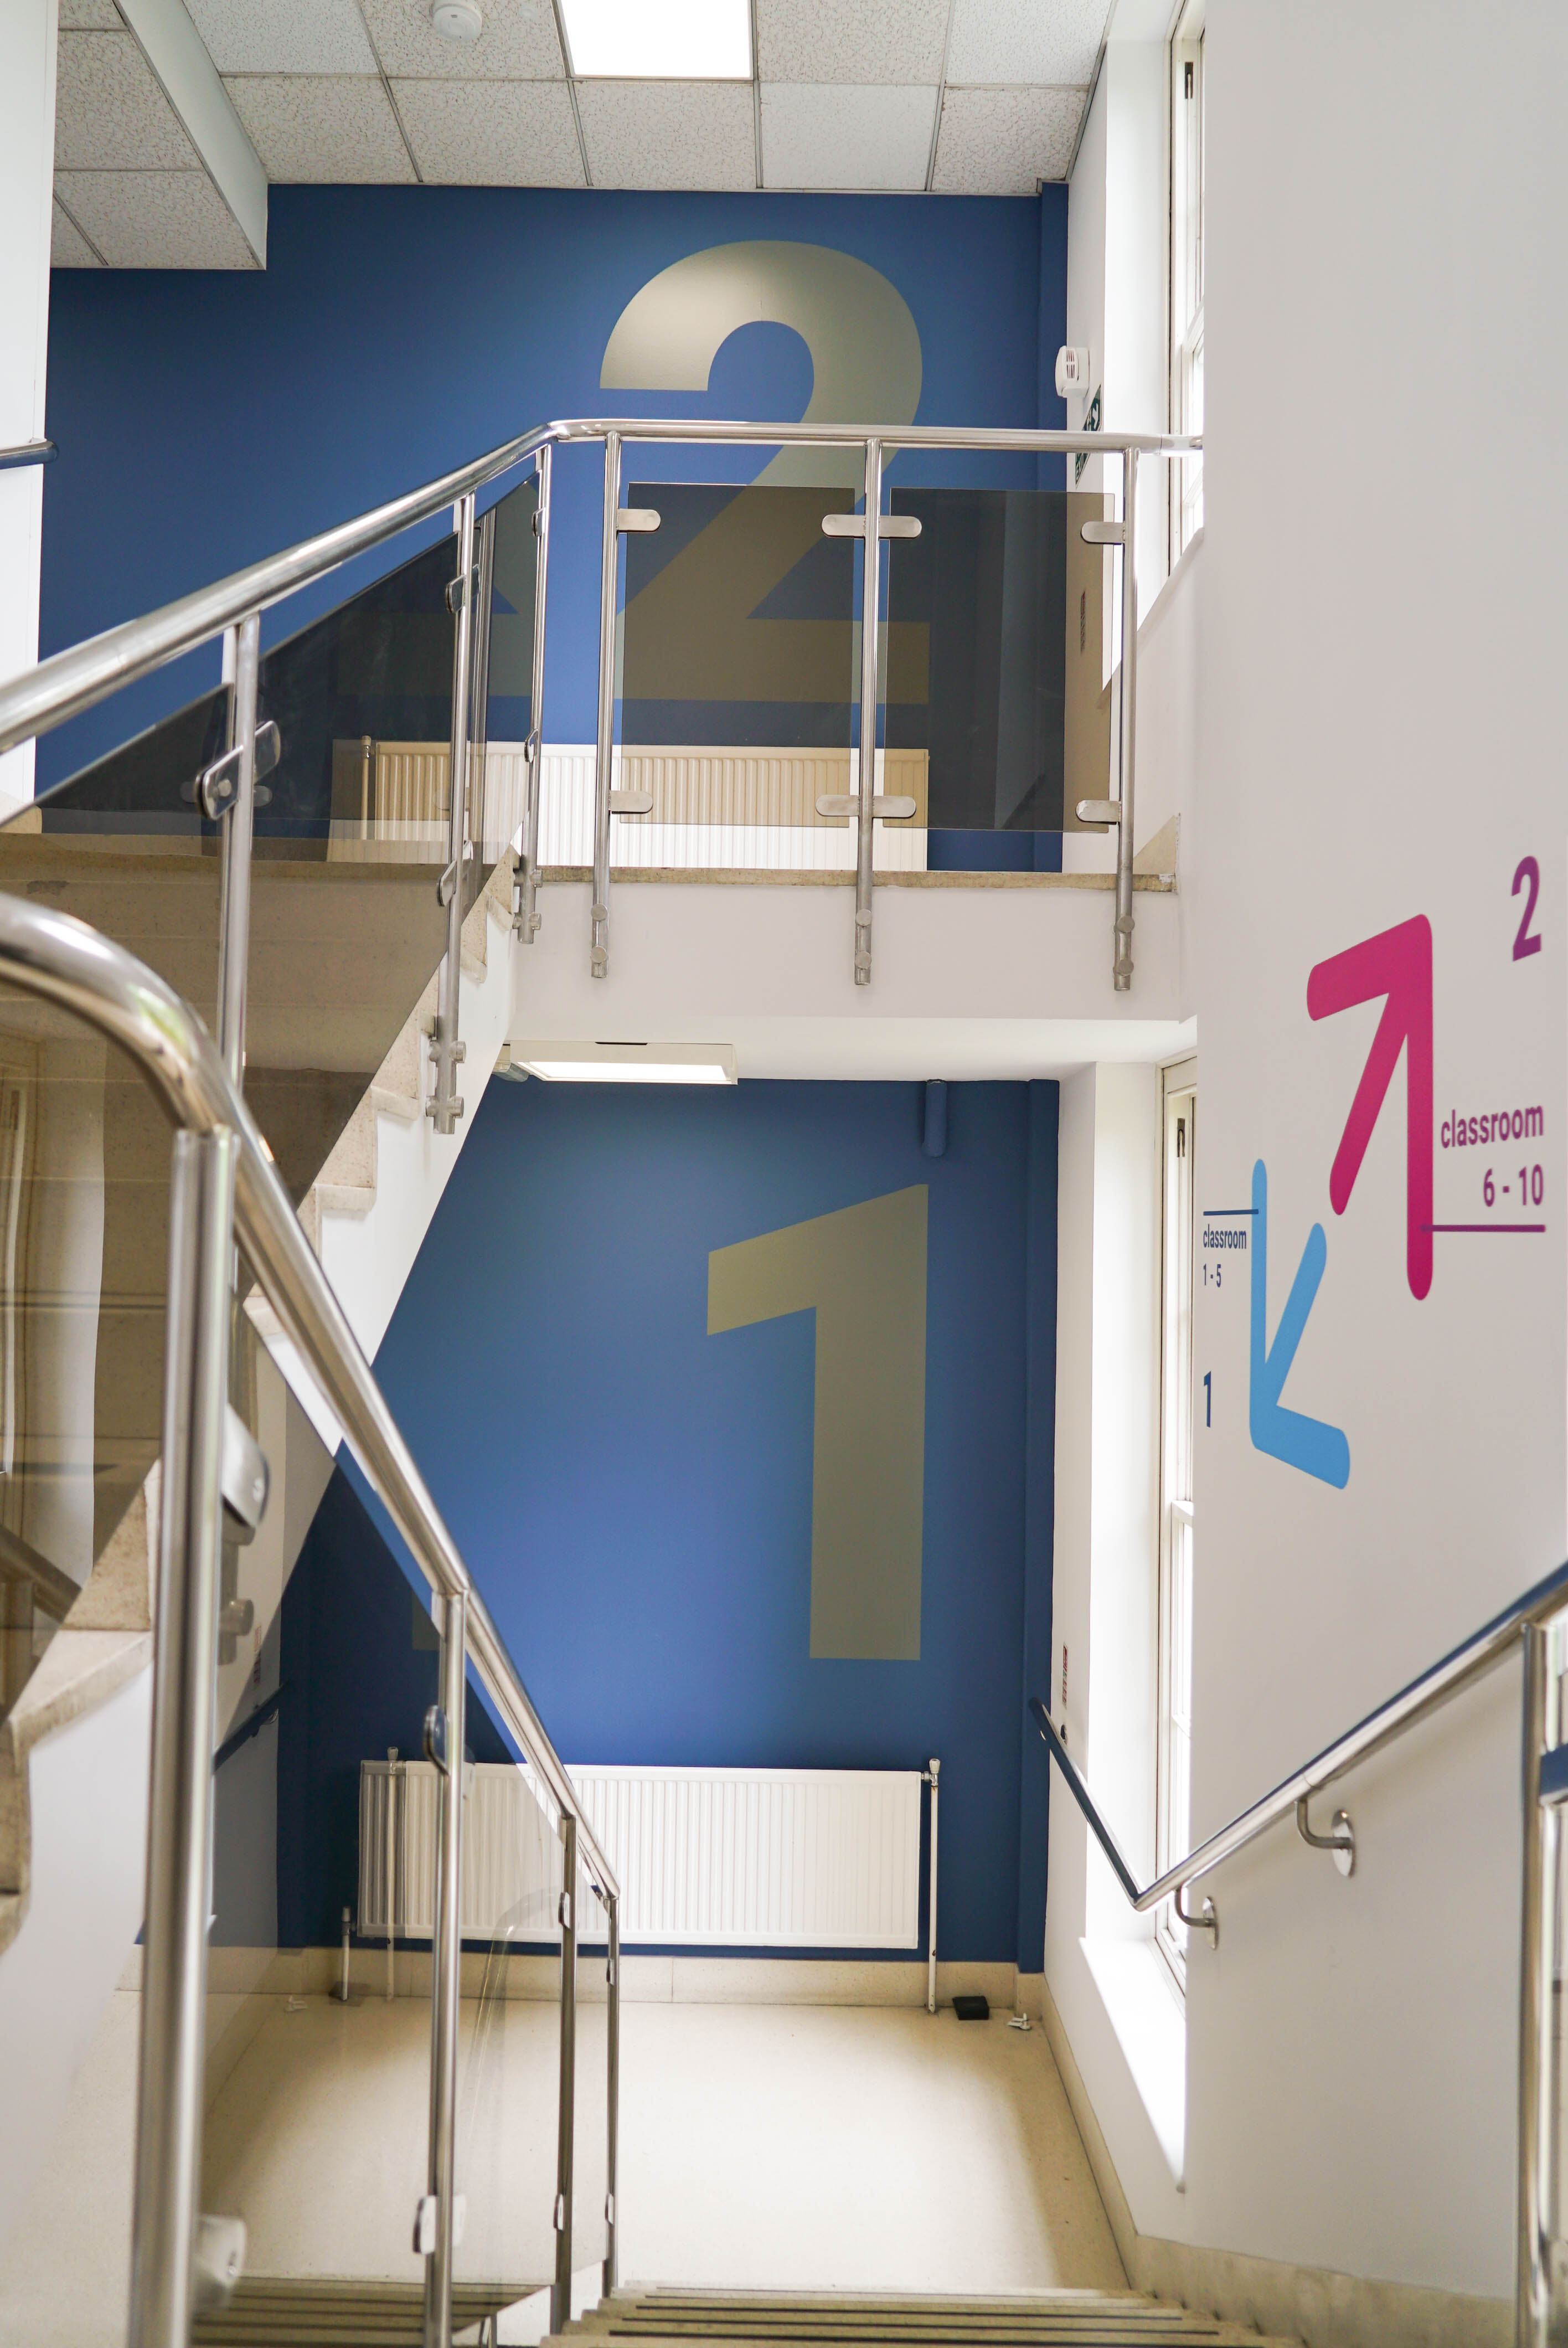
(446, 1052)
(1122, 964)
(612, 2091)
(444, 1744)
(526, 917)
(864, 835)
(604, 758)
(561, 2291)
(933, 1778)
(1539, 1907)
(184, 1698)
(239, 828)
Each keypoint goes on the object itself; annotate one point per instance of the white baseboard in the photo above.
(645, 1981)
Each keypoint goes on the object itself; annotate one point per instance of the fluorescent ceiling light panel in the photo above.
(628, 1064)
(660, 40)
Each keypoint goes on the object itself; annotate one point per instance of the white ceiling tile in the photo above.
(817, 136)
(669, 134)
(998, 142)
(501, 134)
(285, 37)
(109, 112)
(156, 219)
(323, 126)
(89, 17)
(1050, 41)
(518, 43)
(851, 40)
(68, 248)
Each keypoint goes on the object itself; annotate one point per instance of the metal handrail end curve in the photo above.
(52, 954)
(1421, 1696)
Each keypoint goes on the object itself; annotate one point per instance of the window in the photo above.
(1177, 1401)
(1187, 266)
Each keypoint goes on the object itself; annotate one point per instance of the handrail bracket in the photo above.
(1207, 1919)
(1340, 1839)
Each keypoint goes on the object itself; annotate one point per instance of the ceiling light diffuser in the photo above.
(626, 1063)
(660, 40)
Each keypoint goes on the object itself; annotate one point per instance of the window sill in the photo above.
(1151, 2025)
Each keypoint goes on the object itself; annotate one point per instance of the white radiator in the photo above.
(705, 806)
(771, 1859)
(511, 1853)
(805, 1859)
(738, 810)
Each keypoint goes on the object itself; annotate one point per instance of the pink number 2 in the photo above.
(1529, 875)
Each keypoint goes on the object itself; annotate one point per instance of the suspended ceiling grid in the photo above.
(962, 96)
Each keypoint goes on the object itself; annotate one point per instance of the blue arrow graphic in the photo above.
(1309, 1444)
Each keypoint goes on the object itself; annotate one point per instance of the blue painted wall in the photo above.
(206, 419)
(634, 1496)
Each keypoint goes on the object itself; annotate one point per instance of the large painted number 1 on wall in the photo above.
(864, 1272)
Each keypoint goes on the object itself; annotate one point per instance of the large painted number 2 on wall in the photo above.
(864, 1270)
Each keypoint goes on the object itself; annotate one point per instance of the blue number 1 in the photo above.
(1208, 1397)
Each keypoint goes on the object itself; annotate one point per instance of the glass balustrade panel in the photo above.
(316, 2129)
(85, 1156)
(996, 674)
(352, 837)
(738, 684)
(508, 2088)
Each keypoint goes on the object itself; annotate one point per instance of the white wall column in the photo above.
(27, 45)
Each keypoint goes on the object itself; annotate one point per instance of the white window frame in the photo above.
(1178, 1416)
(1187, 144)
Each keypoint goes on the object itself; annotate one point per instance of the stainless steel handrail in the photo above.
(1445, 1679)
(62, 686)
(53, 955)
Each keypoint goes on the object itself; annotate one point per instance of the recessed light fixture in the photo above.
(660, 40)
(628, 1063)
(457, 20)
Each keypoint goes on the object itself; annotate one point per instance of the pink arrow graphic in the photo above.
(1397, 963)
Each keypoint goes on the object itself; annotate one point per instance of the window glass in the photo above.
(1187, 266)
(1177, 1407)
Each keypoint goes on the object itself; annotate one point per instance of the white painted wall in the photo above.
(27, 46)
(967, 983)
(1379, 737)
(87, 1786)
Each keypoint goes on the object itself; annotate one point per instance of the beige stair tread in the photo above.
(1056, 2319)
(1114, 2320)
(342, 2312)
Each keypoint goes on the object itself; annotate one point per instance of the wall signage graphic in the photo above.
(1309, 1444)
(862, 1270)
(864, 343)
(1396, 967)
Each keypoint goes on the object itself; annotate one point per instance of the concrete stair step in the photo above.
(1067, 2319)
(342, 2312)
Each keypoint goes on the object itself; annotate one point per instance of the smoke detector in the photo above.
(457, 20)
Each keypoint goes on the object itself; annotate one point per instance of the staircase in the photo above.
(1054, 2319)
(284, 2312)
(270, 2312)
